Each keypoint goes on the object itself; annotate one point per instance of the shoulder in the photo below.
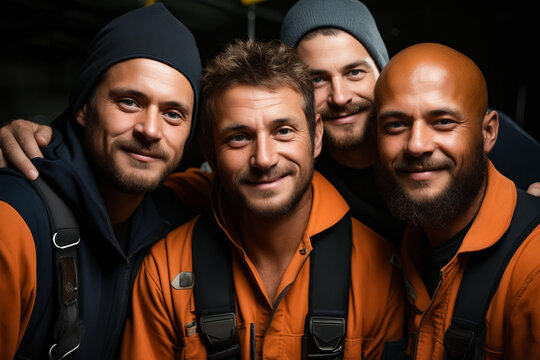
(23, 213)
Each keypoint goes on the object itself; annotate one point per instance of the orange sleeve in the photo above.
(523, 329)
(149, 331)
(18, 284)
(193, 187)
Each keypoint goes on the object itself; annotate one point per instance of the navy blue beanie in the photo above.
(351, 16)
(151, 32)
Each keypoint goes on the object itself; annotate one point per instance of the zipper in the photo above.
(414, 349)
(125, 293)
(278, 301)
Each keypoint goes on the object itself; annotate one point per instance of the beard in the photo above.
(238, 199)
(131, 182)
(440, 210)
(352, 136)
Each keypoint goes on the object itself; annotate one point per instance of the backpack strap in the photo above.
(329, 282)
(325, 325)
(214, 289)
(68, 329)
(465, 336)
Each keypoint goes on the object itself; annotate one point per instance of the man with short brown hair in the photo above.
(271, 214)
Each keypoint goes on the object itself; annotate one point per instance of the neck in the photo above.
(437, 235)
(359, 158)
(120, 205)
(271, 243)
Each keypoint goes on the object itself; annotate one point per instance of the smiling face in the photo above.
(431, 127)
(264, 153)
(344, 76)
(136, 124)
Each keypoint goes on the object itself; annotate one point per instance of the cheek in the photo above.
(389, 148)
(321, 95)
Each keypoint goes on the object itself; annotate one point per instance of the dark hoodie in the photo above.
(106, 269)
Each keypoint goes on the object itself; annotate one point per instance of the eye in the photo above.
(445, 123)
(128, 103)
(393, 127)
(173, 116)
(284, 131)
(237, 140)
(318, 81)
(356, 74)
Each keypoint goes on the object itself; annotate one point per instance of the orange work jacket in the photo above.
(163, 322)
(513, 318)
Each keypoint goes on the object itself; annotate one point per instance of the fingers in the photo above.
(534, 189)
(18, 144)
(43, 135)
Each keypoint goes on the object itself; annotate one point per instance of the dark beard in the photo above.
(444, 208)
(351, 141)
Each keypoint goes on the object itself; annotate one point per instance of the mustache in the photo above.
(151, 149)
(255, 175)
(425, 163)
(332, 111)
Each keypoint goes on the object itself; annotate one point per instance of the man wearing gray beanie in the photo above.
(130, 114)
(344, 51)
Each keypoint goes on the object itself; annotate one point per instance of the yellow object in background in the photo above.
(251, 2)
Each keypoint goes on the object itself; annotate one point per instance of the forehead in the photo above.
(150, 76)
(247, 104)
(322, 51)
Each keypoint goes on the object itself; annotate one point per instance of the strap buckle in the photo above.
(61, 245)
(221, 334)
(53, 357)
(328, 335)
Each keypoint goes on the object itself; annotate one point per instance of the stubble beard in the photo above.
(109, 171)
(239, 200)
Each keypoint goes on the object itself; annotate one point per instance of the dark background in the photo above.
(45, 41)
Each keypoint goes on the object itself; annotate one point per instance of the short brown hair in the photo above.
(269, 64)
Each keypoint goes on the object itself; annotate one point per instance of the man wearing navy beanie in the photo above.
(130, 114)
(344, 51)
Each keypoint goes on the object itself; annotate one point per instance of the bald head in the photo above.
(429, 66)
(433, 137)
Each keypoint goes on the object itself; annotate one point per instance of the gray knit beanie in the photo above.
(351, 16)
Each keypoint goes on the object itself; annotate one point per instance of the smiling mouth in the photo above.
(143, 156)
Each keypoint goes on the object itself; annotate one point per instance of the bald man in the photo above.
(434, 134)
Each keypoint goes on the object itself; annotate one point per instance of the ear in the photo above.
(82, 116)
(317, 140)
(490, 129)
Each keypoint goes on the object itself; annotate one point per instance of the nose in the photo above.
(420, 139)
(339, 95)
(264, 153)
(148, 125)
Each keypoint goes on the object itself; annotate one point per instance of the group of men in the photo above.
(350, 200)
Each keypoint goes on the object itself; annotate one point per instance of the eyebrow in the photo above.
(139, 94)
(236, 127)
(349, 66)
(433, 113)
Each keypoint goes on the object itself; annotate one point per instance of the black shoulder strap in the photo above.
(465, 336)
(329, 282)
(68, 329)
(328, 298)
(214, 289)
